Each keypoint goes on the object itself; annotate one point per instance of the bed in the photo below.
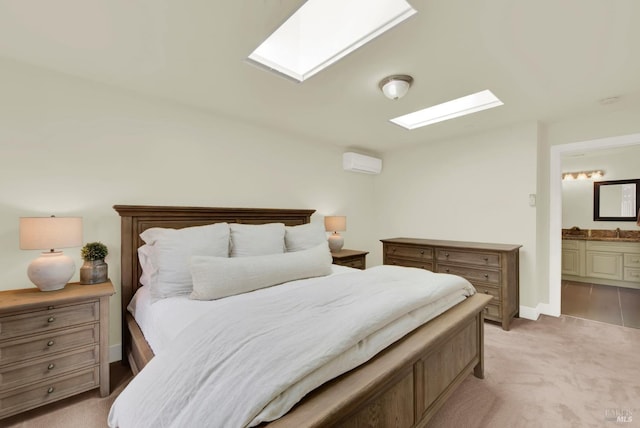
(401, 386)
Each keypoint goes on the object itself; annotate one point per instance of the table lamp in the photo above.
(335, 224)
(53, 269)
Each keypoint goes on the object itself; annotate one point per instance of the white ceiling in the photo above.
(546, 60)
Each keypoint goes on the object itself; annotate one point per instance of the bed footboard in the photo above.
(407, 383)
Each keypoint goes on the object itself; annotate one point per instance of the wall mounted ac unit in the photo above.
(356, 162)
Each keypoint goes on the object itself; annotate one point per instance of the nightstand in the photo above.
(53, 344)
(350, 258)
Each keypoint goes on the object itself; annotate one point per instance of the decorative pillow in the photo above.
(217, 277)
(303, 237)
(172, 250)
(256, 239)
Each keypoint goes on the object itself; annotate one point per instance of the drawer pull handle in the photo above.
(50, 343)
(50, 390)
(446, 270)
(49, 308)
(486, 291)
(422, 252)
(446, 254)
(486, 259)
(486, 275)
(51, 319)
(51, 366)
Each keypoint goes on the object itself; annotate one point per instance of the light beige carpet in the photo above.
(554, 372)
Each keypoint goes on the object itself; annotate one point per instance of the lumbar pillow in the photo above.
(172, 250)
(217, 277)
(304, 236)
(256, 239)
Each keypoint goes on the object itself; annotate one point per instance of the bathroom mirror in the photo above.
(616, 200)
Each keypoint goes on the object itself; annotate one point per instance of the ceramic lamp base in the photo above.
(51, 271)
(335, 242)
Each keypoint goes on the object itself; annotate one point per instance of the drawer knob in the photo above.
(486, 309)
(486, 275)
(446, 270)
(446, 254)
(51, 319)
(50, 390)
(393, 250)
(49, 308)
(422, 252)
(486, 291)
(51, 366)
(50, 343)
(486, 259)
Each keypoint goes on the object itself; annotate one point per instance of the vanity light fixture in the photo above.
(583, 175)
(396, 86)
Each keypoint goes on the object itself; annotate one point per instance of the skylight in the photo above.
(321, 32)
(448, 110)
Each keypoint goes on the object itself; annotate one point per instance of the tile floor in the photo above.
(604, 303)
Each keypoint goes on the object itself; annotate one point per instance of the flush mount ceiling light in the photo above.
(396, 86)
(321, 32)
(455, 108)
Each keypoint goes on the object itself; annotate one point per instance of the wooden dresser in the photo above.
(53, 344)
(491, 268)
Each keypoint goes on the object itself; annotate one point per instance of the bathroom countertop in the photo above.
(612, 235)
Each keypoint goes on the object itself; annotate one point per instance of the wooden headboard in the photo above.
(135, 219)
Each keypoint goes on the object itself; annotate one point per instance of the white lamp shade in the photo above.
(45, 233)
(335, 223)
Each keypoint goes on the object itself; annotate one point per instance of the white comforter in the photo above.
(259, 353)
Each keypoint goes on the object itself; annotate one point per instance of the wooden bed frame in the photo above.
(403, 386)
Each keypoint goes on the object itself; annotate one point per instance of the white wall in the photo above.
(71, 147)
(577, 195)
(468, 189)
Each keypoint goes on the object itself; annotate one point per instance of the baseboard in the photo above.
(547, 309)
(115, 353)
(529, 313)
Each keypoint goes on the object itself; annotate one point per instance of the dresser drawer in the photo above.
(14, 375)
(468, 258)
(45, 319)
(472, 274)
(413, 253)
(492, 312)
(428, 265)
(20, 399)
(353, 263)
(22, 349)
(493, 291)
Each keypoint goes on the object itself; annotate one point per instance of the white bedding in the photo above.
(222, 368)
(161, 321)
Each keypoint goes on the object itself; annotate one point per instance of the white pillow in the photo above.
(256, 239)
(149, 271)
(217, 277)
(305, 236)
(172, 250)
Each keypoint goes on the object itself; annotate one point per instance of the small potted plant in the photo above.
(94, 269)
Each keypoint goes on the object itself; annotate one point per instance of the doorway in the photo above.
(556, 285)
